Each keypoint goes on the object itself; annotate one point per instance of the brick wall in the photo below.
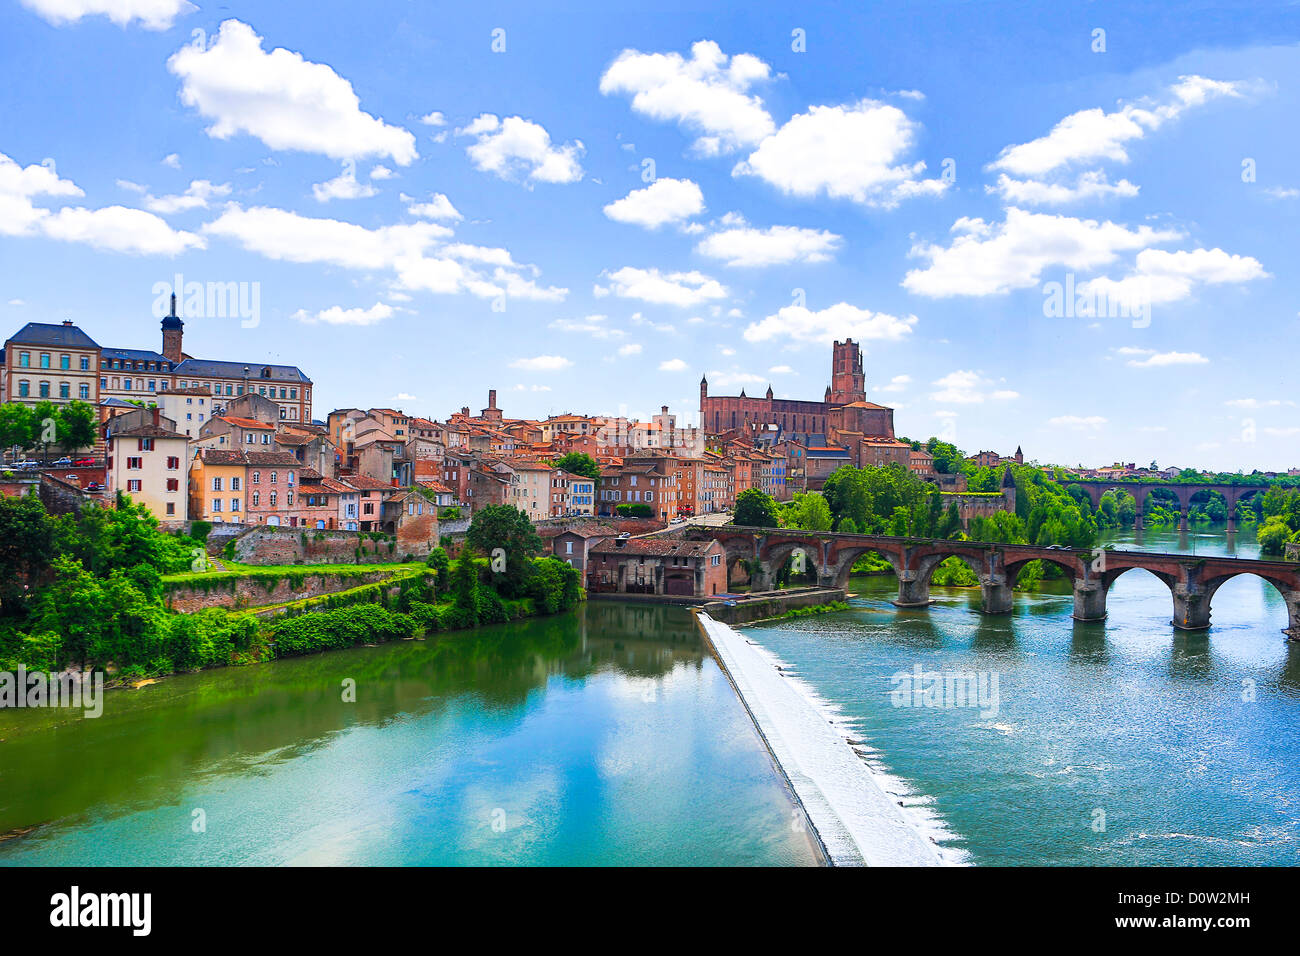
(264, 545)
(251, 592)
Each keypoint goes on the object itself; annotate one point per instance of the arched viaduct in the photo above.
(1185, 493)
(1192, 580)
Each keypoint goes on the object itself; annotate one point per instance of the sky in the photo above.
(1069, 227)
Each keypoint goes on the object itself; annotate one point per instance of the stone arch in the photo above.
(774, 556)
(1013, 569)
(1290, 598)
(842, 565)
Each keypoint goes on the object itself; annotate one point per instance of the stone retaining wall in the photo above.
(236, 592)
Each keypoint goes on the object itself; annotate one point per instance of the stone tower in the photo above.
(172, 329)
(848, 384)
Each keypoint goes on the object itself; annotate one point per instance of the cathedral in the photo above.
(844, 419)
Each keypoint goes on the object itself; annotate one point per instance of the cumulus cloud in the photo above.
(633, 348)
(672, 365)
(672, 288)
(519, 149)
(1164, 359)
(1160, 277)
(281, 98)
(1088, 185)
(995, 258)
(438, 207)
(336, 315)
(113, 228)
(1093, 134)
(965, 387)
(707, 94)
(151, 14)
(663, 202)
(841, 320)
(343, 186)
(597, 326)
(416, 253)
(775, 245)
(844, 152)
(196, 196)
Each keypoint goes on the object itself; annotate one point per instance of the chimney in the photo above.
(492, 398)
(155, 414)
(67, 323)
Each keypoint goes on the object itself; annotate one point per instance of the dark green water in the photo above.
(1186, 742)
(603, 736)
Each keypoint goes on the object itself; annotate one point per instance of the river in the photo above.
(600, 736)
(1116, 743)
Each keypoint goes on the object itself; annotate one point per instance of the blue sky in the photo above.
(617, 202)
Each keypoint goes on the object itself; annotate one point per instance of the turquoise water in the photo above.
(1116, 743)
(603, 736)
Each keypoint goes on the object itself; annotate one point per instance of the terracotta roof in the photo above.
(435, 486)
(245, 422)
(366, 483)
(659, 547)
(222, 456)
(149, 431)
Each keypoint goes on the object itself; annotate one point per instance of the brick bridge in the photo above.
(1191, 580)
(1096, 487)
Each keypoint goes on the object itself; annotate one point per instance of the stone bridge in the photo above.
(1192, 580)
(1185, 493)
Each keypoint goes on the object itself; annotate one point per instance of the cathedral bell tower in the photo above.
(848, 384)
(172, 329)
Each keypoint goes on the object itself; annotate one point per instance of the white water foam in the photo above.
(862, 815)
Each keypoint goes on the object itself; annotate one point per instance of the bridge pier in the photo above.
(913, 589)
(1182, 521)
(1089, 600)
(1292, 599)
(1191, 610)
(998, 596)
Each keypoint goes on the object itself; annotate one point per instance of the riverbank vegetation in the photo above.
(88, 592)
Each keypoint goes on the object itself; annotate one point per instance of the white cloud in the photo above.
(707, 94)
(119, 229)
(673, 288)
(965, 387)
(1092, 184)
(633, 348)
(594, 325)
(662, 202)
(1282, 192)
(380, 173)
(835, 322)
(1160, 277)
(438, 207)
(845, 152)
(994, 258)
(196, 196)
(775, 245)
(1092, 135)
(284, 100)
(542, 363)
(337, 315)
(516, 148)
(152, 14)
(1163, 359)
(433, 119)
(18, 186)
(1257, 403)
(896, 384)
(343, 186)
(780, 370)
(672, 365)
(172, 160)
(415, 252)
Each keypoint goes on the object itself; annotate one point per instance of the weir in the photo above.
(856, 821)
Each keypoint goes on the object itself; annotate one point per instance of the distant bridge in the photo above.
(1192, 580)
(1185, 493)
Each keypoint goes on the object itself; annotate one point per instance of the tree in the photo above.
(755, 508)
(76, 425)
(441, 565)
(16, 425)
(26, 543)
(577, 463)
(810, 512)
(636, 509)
(45, 426)
(507, 528)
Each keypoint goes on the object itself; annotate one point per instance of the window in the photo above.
(45, 389)
(273, 478)
(24, 359)
(171, 507)
(45, 360)
(234, 483)
(146, 444)
(288, 500)
(257, 477)
(288, 478)
(24, 389)
(133, 484)
(83, 391)
(234, 504)
(135, 464)
(174, 462)
(85, 363)
(65, 361)
(248, 438)
(273, 497)
(173, 484)
(216, 504)
(216, 483)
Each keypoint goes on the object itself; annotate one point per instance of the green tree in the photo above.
(26, 544)
(810, 512)
(16, 424)
(507, 528)
(441, 566)
(755, 508)
(577, 463)
(45, 426)
(76, 425)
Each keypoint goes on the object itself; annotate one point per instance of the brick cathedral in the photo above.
(843, 419)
